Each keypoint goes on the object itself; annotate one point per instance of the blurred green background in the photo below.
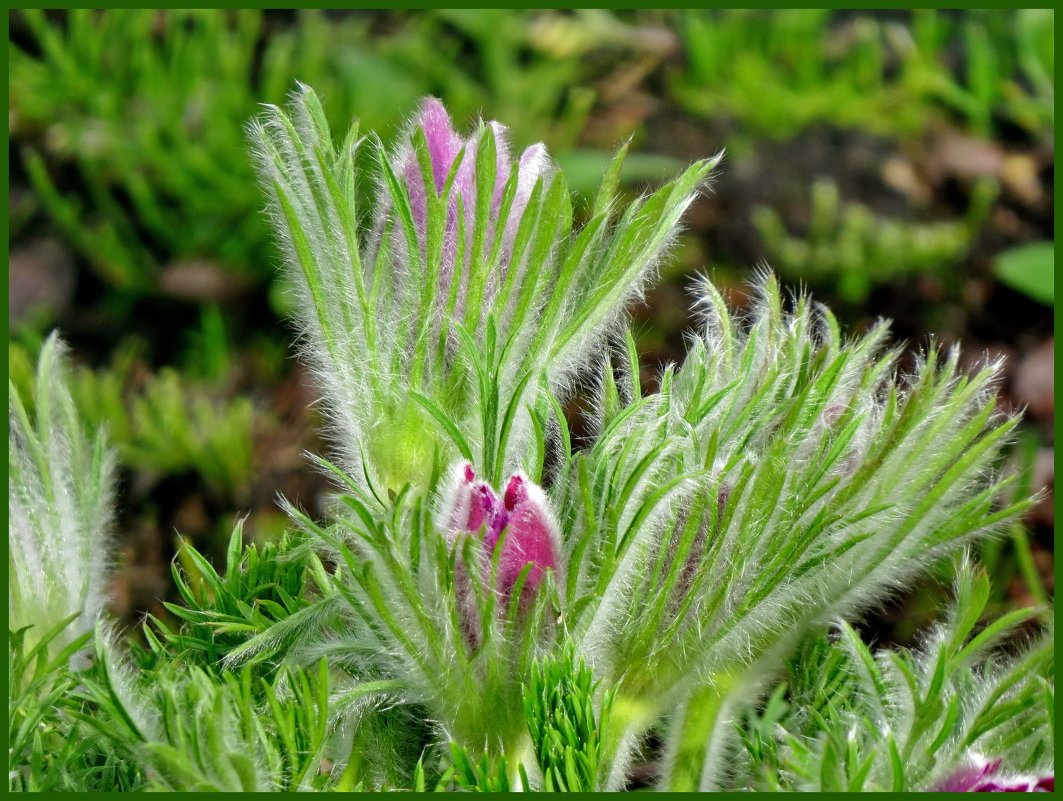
(896, 164)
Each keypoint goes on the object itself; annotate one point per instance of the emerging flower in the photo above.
(532, 538)
(521, 517)
(982, 777)
(472, 261)
(445, 148)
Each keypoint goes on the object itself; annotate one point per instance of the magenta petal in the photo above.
(443, 141)
(468, 507)
(996, 787)
(444, 146)
(968, 778)
(1003, 784)
(471, 506)
(516, 492)
(985, 778)
(532, 537)
(483, 510)
(457, 500)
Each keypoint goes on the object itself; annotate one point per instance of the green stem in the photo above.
(520, 753)
(1027, 455)
(698, 735)
(1027, 566)
(629, 719)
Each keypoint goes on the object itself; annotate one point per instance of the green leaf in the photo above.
(1030, 269)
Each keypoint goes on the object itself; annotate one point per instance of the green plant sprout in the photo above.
(848, 719)
(61, 494)
(851, 249)
(482, 605)
(167, 425)
(781, 73)
(191, 205)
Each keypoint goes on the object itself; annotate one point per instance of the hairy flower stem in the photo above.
(630, 718)
(699, 733)
(517, 753)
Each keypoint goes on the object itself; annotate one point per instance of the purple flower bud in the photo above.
(444, 146)
(532, 537)
(472, 504)
(470, 507)
(523, 514)
(981, 777)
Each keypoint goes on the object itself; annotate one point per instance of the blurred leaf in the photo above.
(1030, 269)
(584, 168)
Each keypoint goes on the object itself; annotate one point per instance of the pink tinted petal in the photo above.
(484, 508)
(502, 166)
(532, 536)
(469, 505)
(960, 781)
(832, 413)
(443, 147)
(968, 778)
(443, 141)
(465, 181)
(462, 201)
(1045, 785)
(533, 164)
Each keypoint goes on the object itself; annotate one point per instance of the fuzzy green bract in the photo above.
(60, 501)
(848, 719)
(485, 605)
(440, 321)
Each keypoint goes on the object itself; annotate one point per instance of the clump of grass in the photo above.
(780, 72)
(851, 250)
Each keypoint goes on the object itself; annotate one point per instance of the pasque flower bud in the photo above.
(532, 536)
(521, 518)
(444, 147)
